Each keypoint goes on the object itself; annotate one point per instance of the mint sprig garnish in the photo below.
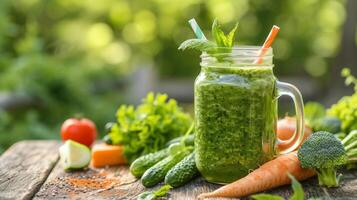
(223, 42)
(198, 44)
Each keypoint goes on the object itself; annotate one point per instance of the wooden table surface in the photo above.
(30, 170)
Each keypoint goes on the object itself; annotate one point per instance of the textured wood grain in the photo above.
(125, 186)
(108, 183)
(24, 167)
(117, 183)
(348, 189)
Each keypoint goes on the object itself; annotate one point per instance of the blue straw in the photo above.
(196, 29)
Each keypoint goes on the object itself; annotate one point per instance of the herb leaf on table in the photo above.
(152, 195)
(297, 188)
(297, 195)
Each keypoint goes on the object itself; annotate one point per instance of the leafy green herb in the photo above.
(297, 195)
(198, 44)
(223, 42)
(346, 108)
(298, 191)
(181, 146)
(267, 197)
(152, 195)
(150, 126)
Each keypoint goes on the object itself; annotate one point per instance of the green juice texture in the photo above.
(235, 121)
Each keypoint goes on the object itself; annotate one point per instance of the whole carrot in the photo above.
(270, 175)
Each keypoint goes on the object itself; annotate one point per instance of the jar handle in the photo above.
(293, 142)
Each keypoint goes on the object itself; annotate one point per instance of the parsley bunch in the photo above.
(148, 127)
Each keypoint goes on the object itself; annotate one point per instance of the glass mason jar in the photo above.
(236, 113)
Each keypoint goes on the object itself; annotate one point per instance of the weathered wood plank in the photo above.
(348, 189)
(23, 172)
(117, 183)
(24, 167)
(108, 183)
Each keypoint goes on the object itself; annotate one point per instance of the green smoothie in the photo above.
(235, 119)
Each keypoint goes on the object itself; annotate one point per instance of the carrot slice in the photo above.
(106, 155)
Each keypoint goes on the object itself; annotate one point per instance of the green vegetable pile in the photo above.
(340, 119)
(147, 128)
(346, 108)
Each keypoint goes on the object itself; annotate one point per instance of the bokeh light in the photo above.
(316, 66)
(99, 35)
(120, 13)
(116, 53)
(61, 51)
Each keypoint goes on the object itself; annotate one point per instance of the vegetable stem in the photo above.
(327, 177)
(351, 146)
(349, 138)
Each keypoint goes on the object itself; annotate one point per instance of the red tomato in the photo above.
(79, 130)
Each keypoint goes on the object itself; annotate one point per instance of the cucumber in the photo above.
(141, 164)
(189, 141)
(182, 172)
(157, 173)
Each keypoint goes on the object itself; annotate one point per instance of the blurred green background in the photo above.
(64, 58)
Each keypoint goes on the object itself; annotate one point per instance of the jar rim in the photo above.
(240, 51)
(238, 56)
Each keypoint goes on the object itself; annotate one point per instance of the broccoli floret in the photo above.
(323, 152)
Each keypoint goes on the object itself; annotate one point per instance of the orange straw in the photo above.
(270, 39)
